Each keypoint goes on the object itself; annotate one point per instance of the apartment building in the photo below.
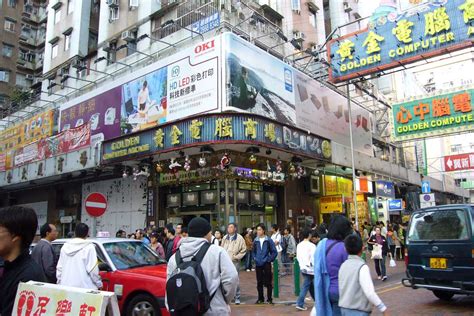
(22, 39)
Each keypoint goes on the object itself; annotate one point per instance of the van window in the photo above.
(439, 225)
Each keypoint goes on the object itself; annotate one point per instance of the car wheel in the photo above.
(143, 305)
(443, 295)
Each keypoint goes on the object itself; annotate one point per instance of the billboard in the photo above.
(184, 84)
(459, 162)
(395, 39)
(259, 83)
(385, 189)
(433, 116)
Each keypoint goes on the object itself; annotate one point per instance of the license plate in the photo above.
(438, 263)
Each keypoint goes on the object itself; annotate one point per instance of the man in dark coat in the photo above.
(43, 252)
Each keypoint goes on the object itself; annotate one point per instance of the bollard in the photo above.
(296, 277)
(276, 289)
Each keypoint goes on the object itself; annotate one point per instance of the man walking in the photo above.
(264, 252)
(17, 230)
(219, 272)
(169, 231)
(43, 253)
(276, 238)
(78, 265)
(304, 253)
(235, 246)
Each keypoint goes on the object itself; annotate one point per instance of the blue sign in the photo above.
(222, 128)
(385, 189)
(425, 187)
(207, 24)
(395, 205)
(393, 39)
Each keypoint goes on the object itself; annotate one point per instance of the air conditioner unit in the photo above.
(128, 36)
(77, 63)
(113, 3)
(133, 4)
(298, 35)
(29, 77)
(64, 71)
(347, 7)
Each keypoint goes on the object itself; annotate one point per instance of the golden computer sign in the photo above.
(397, 39)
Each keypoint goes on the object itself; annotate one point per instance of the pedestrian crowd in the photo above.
(204, 264)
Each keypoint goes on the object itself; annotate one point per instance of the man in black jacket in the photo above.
(17, 230)
(170, 236)
(43, 252)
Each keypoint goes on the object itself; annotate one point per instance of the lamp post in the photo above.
(354, 184)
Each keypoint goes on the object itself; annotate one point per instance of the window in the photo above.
(7, 50)
(114, 14)
(9, 25)
(456, 148)
(438, 225)
(54, 51)
(12, 3)
(5, 75)
(67, 42)
(21, 80)
(312, 19)
(296, 5)
(70, 6)
(57, 16)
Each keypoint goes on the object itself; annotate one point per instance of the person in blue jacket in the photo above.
(264, 253)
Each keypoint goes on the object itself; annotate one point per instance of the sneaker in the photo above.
(248, 270)
(384, 278)
(258, 302)
(379, 277)
(270, 302)
(253, 269)
(308, 299)
(237, 301)
(301, 308)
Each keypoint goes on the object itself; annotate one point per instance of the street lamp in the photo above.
(134, 50)
(171, 23)
(142, 37)
(110, 61)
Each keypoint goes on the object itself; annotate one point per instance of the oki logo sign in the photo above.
(204, 47)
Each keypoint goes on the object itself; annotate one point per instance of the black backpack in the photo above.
(186, 289)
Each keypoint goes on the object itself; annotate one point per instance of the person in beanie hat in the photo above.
(219, 271)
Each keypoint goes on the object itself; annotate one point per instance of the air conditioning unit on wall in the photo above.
(128, 36)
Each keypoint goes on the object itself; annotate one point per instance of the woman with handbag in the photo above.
(379, 253)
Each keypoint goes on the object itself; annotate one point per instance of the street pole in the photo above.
(354, 185)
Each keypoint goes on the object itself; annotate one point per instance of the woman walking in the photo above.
(379, 239)
(249, 244)
(156, 245)
(328, 258)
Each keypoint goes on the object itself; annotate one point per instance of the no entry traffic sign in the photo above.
(96, 204)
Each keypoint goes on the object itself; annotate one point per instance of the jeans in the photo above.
(237, 267)
(380, 266)
(286, 262)
(353, 312)
(264, 278)
(334, 299)
(307, 286)
(248, 260)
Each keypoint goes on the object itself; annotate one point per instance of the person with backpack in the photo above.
(264, 253)
(201, 278)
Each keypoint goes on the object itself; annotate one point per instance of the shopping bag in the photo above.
(393, 264)
(377, 252)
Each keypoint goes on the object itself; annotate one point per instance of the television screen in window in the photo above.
(256, 198)
(173, 200)
(190, 198)
(242, 197)
(208, 197)
(270, 198)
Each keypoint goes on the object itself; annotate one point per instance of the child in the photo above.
(357, 292)
(264, 253)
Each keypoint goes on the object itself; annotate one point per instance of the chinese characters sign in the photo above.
(434, 29)
(433, 116)
(42, 299)
(229, 128)
(337, 185)
(459, 162)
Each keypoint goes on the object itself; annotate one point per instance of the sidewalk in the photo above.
(284, 304)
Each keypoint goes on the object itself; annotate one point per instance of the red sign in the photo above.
(459, 162)
(96, 204)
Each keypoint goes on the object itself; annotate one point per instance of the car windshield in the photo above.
(438, 225)
(129, 254)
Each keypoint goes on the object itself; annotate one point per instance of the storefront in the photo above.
(224, 167)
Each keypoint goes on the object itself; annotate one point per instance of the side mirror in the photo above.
(104, 267)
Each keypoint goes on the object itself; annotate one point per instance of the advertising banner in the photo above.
(394, 39)
(433, 116)
(51, 299)
(173, 88)
(385, 189)
(3, 160)
(459, 162)
(334, 185)
(223, 128)
(330, 204)
(259, 83)
(395, 205)
(63, 143)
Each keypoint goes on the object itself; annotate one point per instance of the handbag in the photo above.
(377, 252)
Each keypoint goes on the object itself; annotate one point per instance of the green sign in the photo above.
(467, 184)
(433, 116)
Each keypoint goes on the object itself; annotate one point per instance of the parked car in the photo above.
(440, 248)
(133, 271)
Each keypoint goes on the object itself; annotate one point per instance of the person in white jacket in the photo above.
(304, 254)
(78, 265)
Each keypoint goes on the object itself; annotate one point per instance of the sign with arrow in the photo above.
(425, 187)
(459, 162)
